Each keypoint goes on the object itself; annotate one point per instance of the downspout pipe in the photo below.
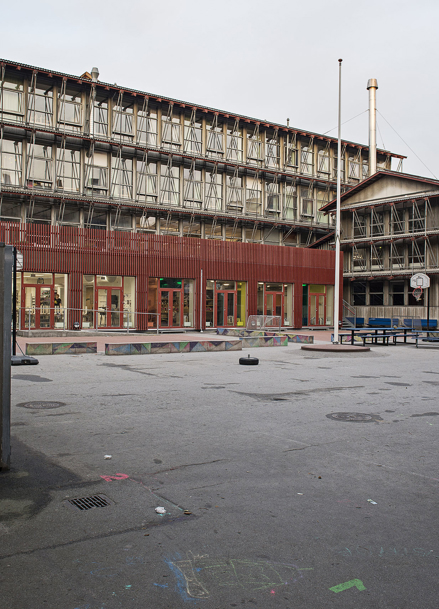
(372, 86)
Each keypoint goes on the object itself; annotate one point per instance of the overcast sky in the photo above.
(266, 59)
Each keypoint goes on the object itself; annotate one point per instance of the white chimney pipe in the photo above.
(94, 74)
(372, 85)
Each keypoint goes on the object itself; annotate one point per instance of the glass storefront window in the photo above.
(129, 302)
(88, 290)
(241, 304)
(209, 303)
(107, 280)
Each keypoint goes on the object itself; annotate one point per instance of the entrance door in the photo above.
(274, 304)
(38, 309)
(109, 307)
(225, 309)
(317, 309)
(170, 308)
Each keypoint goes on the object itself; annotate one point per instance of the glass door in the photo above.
(170, 309)
(108, 305)
(38, 311)
(274, 304)
(225, 309)
(317, 309)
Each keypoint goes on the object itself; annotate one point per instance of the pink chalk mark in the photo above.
(273, 592)
(115, 477)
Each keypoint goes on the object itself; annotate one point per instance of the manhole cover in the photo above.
(88, 503)
(41, 405)
(354, 417)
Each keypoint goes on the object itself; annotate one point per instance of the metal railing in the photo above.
(264, 322)
(349, 317)
(101, 319)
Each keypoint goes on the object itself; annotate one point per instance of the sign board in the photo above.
(19, 259)
(420, 280)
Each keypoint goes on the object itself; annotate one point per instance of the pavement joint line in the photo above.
(150, 525)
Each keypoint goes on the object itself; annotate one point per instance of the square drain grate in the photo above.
(88, 503)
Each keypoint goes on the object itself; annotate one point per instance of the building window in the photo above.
(306, 202)
(68, 216)
(234, 194)
(69, 110)
(11, 100)
(193, 134)
(169, 226)
(10, 210)
(121, 178)
(253, 201)
(169, 185)
(96, 217)
(254, 147)
(365, 169)
(146, 224)
(192, 228)
(40, 105)
(358, 294)
(290, 202)
(215, 138)
(397, 294)
(342, 169)
(147, 181)
(100, 117)
(272, 149)
(416, 214)
(147, 127)
(97, 173)
(234, 143)
(193, 188)
(233, 232)
(68, 170)
(214, 190)
(213, 230)
(272, 199)
(376, 293)
(123, 117)
(39, 214)
(323, 162)
(376, 223)
(122, 221)
(11, 163)
(40, 166)
(417, 253)
(307, 160)
(291, 156)
(354, 168)
(171, 132)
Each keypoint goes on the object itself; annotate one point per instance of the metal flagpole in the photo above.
(337, 217)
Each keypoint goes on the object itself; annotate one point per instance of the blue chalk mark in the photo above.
(128, 586)
(181, 581)
(161, 585)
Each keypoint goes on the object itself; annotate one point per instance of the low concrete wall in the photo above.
(60, 348)
(173, 347)
(265, 341)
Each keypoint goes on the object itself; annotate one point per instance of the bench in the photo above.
(427, 339)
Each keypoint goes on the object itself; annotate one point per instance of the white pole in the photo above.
(337, 216)
(201, 301)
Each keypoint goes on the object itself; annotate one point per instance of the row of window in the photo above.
(396, 256)
(103, 175)
(381, 293)
(410, 219)
(97, 217)
(122, 118)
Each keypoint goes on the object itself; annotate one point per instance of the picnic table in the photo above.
(380, 335)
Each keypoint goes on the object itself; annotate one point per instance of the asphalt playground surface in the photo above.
(309, 481)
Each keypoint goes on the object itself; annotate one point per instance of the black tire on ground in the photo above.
(248, 361)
